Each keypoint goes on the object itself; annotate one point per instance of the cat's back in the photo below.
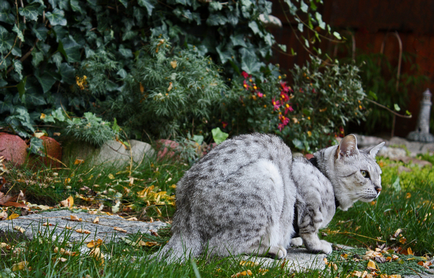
(236, 153)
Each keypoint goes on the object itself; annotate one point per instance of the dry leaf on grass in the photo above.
(68, 202)
(120, 230)
(83, 231)
(242, 273)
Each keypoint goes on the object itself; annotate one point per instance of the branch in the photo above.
(391, 111)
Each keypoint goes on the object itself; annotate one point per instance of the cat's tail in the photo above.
(178, 249)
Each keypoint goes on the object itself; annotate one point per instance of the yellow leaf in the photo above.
(68, 202)
(39, 134)
(93, 243)
(96, 220)
(408, 195)
(13, 216)
(78, 161)
(19, 266)
(371, 265)
(170, 86)
(75, 218)
(243, 273)
(409, 251)
(142, 89)
(174, 64)
(42, 116)
(149, 243)
(110, 176)
(83, 231)
(248, 263)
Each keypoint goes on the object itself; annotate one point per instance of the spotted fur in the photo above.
(249, 195)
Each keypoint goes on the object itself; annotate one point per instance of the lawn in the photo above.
(391, 236)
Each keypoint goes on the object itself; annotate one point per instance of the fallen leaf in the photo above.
(120, 229)
(3, 215)
(93, 243)
(110, 176)
(20, 229)
(397, 232)
(425, 264)
(243, 273)
(68, 202)
(142, 89)
(75, 218)
(13, 216)
(170, 87)
(150, 243)
(371, 265)
(96, 220)
(78, 161)
(174, 64)
(19, 266)
(248, 263)
(83, 231)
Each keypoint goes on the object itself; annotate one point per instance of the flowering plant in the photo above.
(308, 115)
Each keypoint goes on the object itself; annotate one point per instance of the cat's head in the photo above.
(357, 174)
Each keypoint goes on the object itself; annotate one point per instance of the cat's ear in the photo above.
(347, 147)
(374, 150)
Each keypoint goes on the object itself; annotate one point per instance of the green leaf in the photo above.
(321, 23)
(298, 144)
(22, 87)
(337, 35)
(37, 57)
(198, 139)
(396, 107)
(59, 115)
(18, 68)
(6, 13)
(57, 17)
(18, 32)
(124, 2)
(35, 99)
(127, 53)
(57, 59)
(76, 7)
(46, 80)
(282, 46)
(249, 61)
(218, 135)
(31, 12)
(70, 49)
(36, 146)
(215, 6)
(6, 40)
(254, 26)
(300, 27)
(40, 31)
(67, 72)
(238, 40)
(304, 7)
(396, 185)
(216, 19)
(128, 35)
(146, 4)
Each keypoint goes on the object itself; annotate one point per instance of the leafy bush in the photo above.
(168, 90)
(308, 115)
(46, 46)
(89, 128)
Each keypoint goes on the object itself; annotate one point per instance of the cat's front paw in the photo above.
(277, 252)
(326, 247)
(321, 246)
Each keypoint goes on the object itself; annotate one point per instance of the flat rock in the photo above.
(58, 221)
(296, 260)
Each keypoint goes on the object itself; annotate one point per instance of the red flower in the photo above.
(224, 124)
(284, 87)
(284, 119)
(281, 126)
(288, 108)
(245, 74)
(284, 96)
(276, 104)
(245, 85)
(260, 94)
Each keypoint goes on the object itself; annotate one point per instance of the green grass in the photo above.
(146, 191)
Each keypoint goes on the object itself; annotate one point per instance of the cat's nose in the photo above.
(378, 189)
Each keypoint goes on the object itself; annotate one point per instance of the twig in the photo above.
(388, 109)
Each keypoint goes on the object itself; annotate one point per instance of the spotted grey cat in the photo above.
(249, 195)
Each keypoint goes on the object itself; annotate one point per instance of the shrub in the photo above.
(308, 115)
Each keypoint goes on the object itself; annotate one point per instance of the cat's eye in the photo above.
(365, 174)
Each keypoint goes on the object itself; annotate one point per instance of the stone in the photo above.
(13, 148)
(392, 153)
(52, 149)
(111, 152)
(58, 221)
